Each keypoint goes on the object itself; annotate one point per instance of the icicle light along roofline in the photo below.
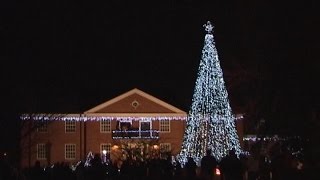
(83, 117)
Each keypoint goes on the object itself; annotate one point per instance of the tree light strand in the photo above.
(210, 123)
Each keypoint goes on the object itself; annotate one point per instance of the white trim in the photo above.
(145, 121)
(65, 152)
(75, 126)
(149, 126)
(107, 144)
(134, 91)
(167, 145)
(101, 127)
(44, 150)
(173, 115)
(168, 125)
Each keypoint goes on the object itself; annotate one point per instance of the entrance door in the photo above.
(145, 128)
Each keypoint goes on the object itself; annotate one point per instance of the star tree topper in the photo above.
(208, 27)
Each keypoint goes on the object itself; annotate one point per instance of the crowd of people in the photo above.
(231, 167)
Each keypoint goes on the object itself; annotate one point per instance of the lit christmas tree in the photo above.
(211, 123)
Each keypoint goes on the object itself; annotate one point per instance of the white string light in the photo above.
(83, 117)
(210, 123)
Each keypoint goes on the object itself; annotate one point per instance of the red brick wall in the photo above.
(95, 137)
(175, 136)
(57, 137)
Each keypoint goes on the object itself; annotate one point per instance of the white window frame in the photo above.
(165, 126)
(41, 151)
(105, 126)
(70, 126)
(123, 121)
(165, 147)
(145, 133)
(70, 151)
(105, 146)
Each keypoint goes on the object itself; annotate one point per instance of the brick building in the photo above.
(134, 120)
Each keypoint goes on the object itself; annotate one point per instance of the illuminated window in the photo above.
(105, 146)
(70, 151)
(165, 147)
(164, 126)
(70, 126)
(41, 151)
(105, 126)
(42, 126)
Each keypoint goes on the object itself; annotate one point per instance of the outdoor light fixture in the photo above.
(104, 158)
(115, 147)
(217, 171)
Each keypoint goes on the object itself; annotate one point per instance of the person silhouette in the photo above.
(208, 164)
(191, 167)
(231, 166)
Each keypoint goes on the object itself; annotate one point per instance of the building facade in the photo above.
(134, 123)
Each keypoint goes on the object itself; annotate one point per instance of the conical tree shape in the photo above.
(211, 123)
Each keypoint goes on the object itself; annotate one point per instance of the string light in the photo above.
(83, 117)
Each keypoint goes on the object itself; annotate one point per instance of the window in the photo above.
(165, 147)
(105, 146)
(105, 126)
(70, 151)
(70, 126)
(42, 126)
(41, 151)
(124, 125)
(145, 127)
(164, 126)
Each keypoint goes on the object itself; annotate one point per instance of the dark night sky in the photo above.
(68, 56)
